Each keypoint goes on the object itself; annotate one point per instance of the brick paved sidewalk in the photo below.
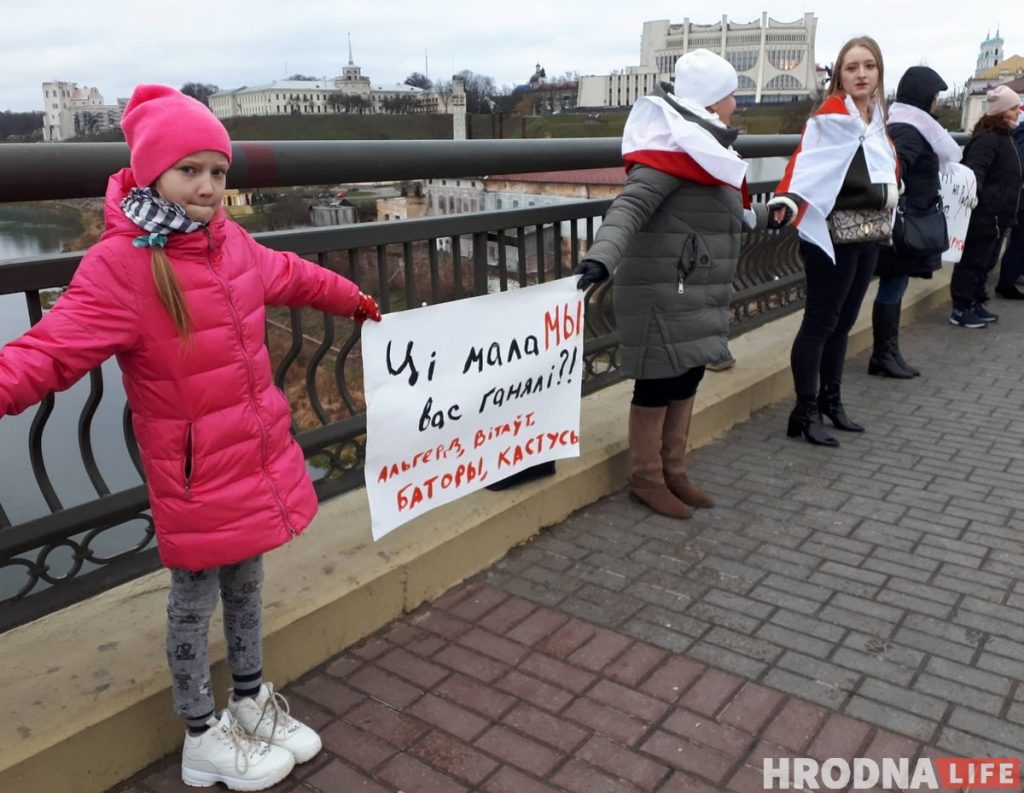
(865, 601)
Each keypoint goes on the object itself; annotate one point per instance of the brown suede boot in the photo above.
(646, 480)
(673, 454)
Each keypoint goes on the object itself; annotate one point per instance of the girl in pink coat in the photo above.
(177, 292)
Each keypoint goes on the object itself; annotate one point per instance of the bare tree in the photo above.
(443, 89)
(417, 80)
(200, 91)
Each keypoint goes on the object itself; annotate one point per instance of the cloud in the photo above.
(113, 45)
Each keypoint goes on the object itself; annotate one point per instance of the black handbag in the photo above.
(920, 232)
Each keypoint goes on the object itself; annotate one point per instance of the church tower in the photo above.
(990, 54)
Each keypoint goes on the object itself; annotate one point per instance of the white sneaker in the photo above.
(227, 753)
(266, 717)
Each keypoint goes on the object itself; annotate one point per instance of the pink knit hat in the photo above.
(162, 126)
(1000, 99)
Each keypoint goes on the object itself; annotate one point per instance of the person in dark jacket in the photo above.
(673, 238)
(1012, 267)
(923, 148)
(990, 153)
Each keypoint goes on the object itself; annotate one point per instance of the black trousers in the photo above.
(834, 294)
(1012, 266)
(970, 274)
(658, 393)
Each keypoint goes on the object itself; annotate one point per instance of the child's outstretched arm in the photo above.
(290, 280)
(96, 318)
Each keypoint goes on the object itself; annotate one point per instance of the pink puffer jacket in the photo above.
(226, 479)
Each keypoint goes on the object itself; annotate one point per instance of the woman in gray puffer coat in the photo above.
(673, 238)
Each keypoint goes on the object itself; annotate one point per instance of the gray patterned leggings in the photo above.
(190, 605)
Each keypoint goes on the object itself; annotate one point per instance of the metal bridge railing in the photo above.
(73, 550)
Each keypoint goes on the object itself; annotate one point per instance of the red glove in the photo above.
(367, 309)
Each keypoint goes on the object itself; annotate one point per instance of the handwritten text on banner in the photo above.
(463, 394)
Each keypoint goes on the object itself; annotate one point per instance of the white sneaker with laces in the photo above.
(266, 717)
(227, 753)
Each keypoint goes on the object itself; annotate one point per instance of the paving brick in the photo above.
(796, 724)
(407, 773)
(537, 626)
(412, 668)
(330, 694)
(444, 625)
(480, 602)
(543, 695)
(626, 764)
(518, 750)
(840, 736)
(889, 716)
(690, 757)
(355, 746)
(727, 660)
(629, 701)
(567, 638)
(751, 708)
(711, 692)
(471, 663)
(672, 679)
(607, 721)
(494, 646)
(544, 727)
(472, 694)
(453, 758)
(338, 776)
(702, 730)
(370, 648)
(382, 721)
(681, 782)
(509, 780)
(557, 672)
(385, 687)
(343, 665)
(580, 777)
(601, 649)
(447, 716)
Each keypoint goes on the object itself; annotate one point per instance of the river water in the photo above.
(20, 495)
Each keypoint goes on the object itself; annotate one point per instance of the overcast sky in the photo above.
(114, 44)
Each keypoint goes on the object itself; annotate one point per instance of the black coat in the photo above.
(997, 166)
(919, 169)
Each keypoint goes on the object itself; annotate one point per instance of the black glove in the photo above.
(590, 272)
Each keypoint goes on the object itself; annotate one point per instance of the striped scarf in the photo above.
(157, 216)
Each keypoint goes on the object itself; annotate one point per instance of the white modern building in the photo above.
(775, 60)
(71, 110)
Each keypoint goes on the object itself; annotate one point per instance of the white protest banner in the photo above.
(463, 394)
(959, 189)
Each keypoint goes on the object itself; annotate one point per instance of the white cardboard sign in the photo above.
(959, 189)
(460, 395)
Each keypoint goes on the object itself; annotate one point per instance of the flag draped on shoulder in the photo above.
(657, 135)
(818, 167)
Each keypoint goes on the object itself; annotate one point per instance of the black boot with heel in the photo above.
(830, 404)
(806, 420)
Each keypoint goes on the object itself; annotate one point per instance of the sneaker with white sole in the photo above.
(227, 753)
(266, 716)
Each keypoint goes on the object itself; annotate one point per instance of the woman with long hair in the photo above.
(924, 148)
(838, 191)
(991, 154)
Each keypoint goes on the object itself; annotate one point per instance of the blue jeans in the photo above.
(891, 289)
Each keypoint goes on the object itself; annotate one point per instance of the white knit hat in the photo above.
(704, 78)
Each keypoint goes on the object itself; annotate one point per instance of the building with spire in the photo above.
(990, 53)
(349, 92)
(992, 69)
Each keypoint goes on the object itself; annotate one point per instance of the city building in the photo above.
(775, 60)
(71, 111)
(992, 70)
(349, 92)
(521, 191)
